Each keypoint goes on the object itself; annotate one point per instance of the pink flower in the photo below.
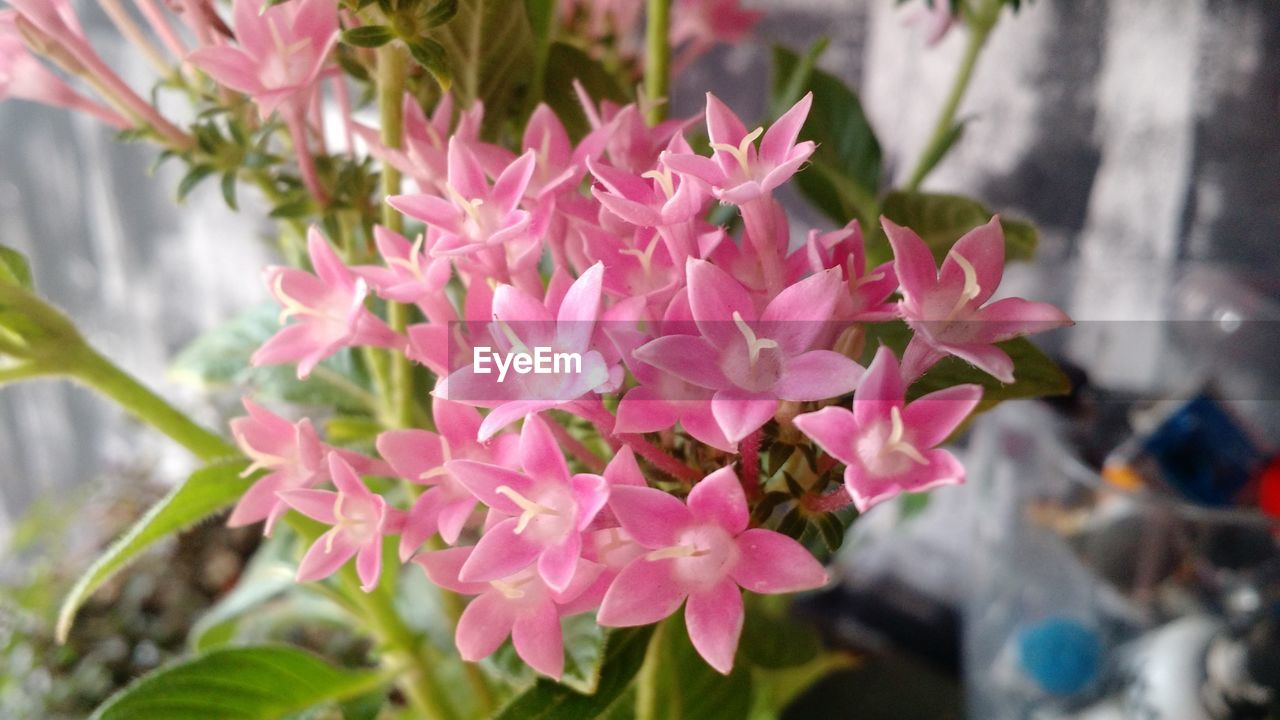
(282, 51)
(521, 606)
(547, 507)
(359, 518)
(699, 25)
(329, 307)
(520, 324)
(703, 552)
(476, 215)
(869, 290)
(753, 360)
(23, 76)
(737, 171)
(420, 456)
(945, 307)
(887, 444)
(292, 454)
(424, 155)
(412, 274)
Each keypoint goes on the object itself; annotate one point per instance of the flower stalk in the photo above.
(657, 60)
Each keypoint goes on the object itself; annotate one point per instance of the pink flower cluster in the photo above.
(678, 326)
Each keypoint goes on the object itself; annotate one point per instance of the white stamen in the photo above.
(291, 306)
(675, 551)
(529, 508)
(754, 344)
(895, 443)
(971, 286)
(740, 152)
(509, 590)
(411, 263)
(645, 256)
(664, 180)
(470, 205)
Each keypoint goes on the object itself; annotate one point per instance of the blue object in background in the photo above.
(1060, 654)
(1203, 453)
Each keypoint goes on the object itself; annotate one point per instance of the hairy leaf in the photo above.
(624, 653)
(679, 685)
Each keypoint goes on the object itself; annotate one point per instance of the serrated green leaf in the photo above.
(624, 653)
(368, 36)
(940, 220)
(432, 56)
(14, 268)
(208, 490)
(220, 358)
(193, 178)
(677, 684)
(254, 683)
(848, 152)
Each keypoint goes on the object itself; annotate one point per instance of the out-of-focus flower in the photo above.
(24, 77)
(703, 552)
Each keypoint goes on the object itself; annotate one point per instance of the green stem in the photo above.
(453, 607)
(657, 60)
(403, 649)
(392, 70)
(97, 372)
(980, 22)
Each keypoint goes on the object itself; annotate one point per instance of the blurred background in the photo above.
(1142, 137)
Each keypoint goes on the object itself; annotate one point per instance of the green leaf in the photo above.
(229, 189)
(942, 219)
(542, 22)
(624, 653)
(432, 56)
(254, 683)
(193, 178)
(220, 358)
(440, 13)
(1034, 375)
(293, 209)
(845, 169)
(368, 36)
(677, 684)
(14, 268)
(207, 491)
(490, 44)
(773, 637)
(572, 64)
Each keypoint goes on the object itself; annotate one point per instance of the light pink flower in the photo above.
(420, 456)
(411, 274)
(329, 307)
(282, 50)
(475, 215)
(754, 359)
(521, 606)
(703, 552)
(359, 518)
(23, 76)
(547, 511)
(868, 294)
(424, 155)
(944, 307)
(291, 453)
(521, 323)
(887, 444)
(737, 171)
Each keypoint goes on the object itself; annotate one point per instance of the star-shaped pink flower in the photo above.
(703, 552)
(886, 444)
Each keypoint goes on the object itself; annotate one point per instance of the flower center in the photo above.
(412, 263)
(754, 344)
(644, 256)
(290, 306)
(740, 152)
(971, 287)
(896, 444)
(664, 180)
(356, 524)
(511, 589)
(529, 509)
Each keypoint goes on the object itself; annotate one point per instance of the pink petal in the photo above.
(257, 502)
(484, 624)
(932, 418)
(987, 358)
(429, 209)
(509, 412)
(770, 562)
(411, 453)
(501, 552)
(421, 523)
(513, 305)
(540, 454)
(345, 477)
(740, 413)
(538, 641)
(229, 67)
(325, 557)
(688, 357)
(723, 126)
(576, 320)
(511, 184)
(714, 297)
(325, 261)
(590, 492)
(781, 136)
(465, 173)
(719, 498)
(714, 619)
(483, 480)
(557, 563)
(1012, 317)
(453, 516)
(442, 568)
(834, 429)
(642, 410)
(644, 592)
(457, 423)
(315, 504)
(369, 564)
(652, 517)
(882, 383)
(624, 470)
(983, 248)
(695, 166)
(912, 261)
(817, 375)
(699, 421)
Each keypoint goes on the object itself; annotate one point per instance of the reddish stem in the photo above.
(589, 459)
(827, 503)
(750, 454)
(661, 460)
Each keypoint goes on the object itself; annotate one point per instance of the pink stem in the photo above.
(757, 216)
(660, 459)
(295, 120)
(828, 503)
(594, 412)
(343, 95)
(750, 454)
(589, 459)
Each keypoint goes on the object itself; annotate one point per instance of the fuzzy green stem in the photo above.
(980, 22)
(95, 371)
(657, 60)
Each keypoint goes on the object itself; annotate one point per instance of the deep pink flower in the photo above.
(547, 507)
(752, 360)
(359, 518)
(476, 215)
(887, 444)
(521, 606)
(703, 552)
(329, 307)
(868, 290)
(944, 307)
(420, 456)
(737, 171)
